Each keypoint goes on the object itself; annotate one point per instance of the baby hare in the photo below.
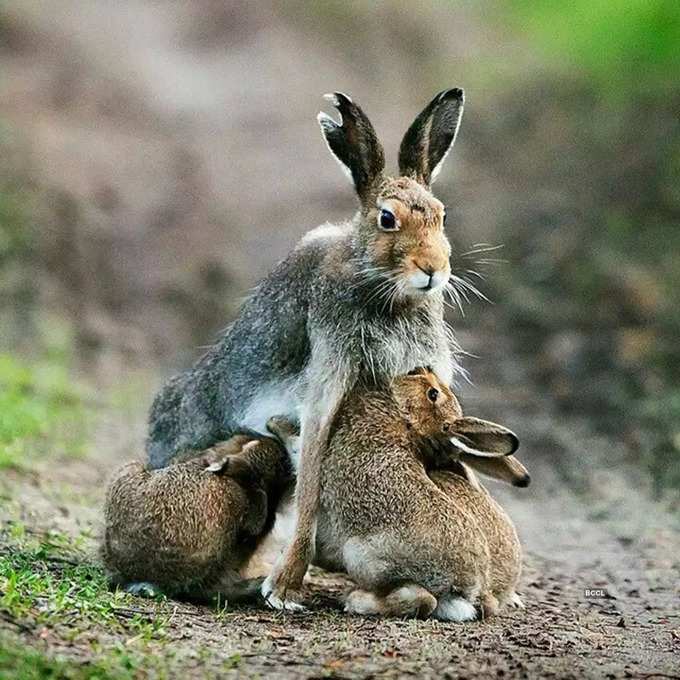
(186, 530)
(416, 544)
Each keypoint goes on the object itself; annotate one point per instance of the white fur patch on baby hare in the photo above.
(457, 609)
(270, 548)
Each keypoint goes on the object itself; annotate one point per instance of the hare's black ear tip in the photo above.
(523, 481)
(456, 93)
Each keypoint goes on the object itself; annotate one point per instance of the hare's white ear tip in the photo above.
(337, 98)
(325, 121)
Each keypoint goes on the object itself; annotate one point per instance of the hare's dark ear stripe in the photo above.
(483, 438)
(353, 142)
(431, 136)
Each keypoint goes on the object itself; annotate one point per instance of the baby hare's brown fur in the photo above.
(187, 529)
(504, 547)
(414, 544)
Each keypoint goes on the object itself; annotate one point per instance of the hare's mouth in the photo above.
(422, 282)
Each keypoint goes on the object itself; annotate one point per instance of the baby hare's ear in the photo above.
(483, 438)
(354, 143)
(431, 137)
(506, 469)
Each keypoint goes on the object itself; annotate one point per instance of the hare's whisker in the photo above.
(481, 248)
(472, 272)
(455, 298)
(462, 284)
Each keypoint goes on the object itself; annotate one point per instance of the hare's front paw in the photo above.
(516, 601)
(283, 600)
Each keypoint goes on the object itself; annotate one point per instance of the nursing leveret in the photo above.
(416, 540)
(189, 529)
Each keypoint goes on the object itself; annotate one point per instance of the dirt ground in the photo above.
(598, 532)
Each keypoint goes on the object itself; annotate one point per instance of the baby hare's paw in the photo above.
(275, 598)
(457, 609)
(516, 601)
(409, 601)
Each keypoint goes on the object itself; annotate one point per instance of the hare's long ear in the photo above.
(354, 143)
(483, 438)
(506, 469)
(431, 137)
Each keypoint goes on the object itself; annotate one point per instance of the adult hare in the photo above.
(357, 301)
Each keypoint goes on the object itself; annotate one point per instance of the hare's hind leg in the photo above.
(409, 601)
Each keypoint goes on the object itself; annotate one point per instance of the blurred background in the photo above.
(157, 158)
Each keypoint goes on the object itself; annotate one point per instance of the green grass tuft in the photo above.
(47, 581)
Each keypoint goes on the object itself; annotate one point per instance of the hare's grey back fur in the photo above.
(260, 367)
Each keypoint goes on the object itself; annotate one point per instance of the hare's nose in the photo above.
(429, 272)
(435, 277)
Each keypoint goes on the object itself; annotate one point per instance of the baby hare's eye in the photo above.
(388, 221)
(444, 217)
(432, 394)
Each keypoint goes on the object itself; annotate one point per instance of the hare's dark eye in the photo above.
(432, 394)
(388, 221)
(444, 218)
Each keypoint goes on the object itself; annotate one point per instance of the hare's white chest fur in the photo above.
(392, 351)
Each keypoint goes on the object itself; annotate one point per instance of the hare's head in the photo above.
(428, 406)
(401, 224)
(433, 411)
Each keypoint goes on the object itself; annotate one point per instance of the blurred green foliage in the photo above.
(626, 46)
(595, 247)
(18, 288)
(41, 410)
